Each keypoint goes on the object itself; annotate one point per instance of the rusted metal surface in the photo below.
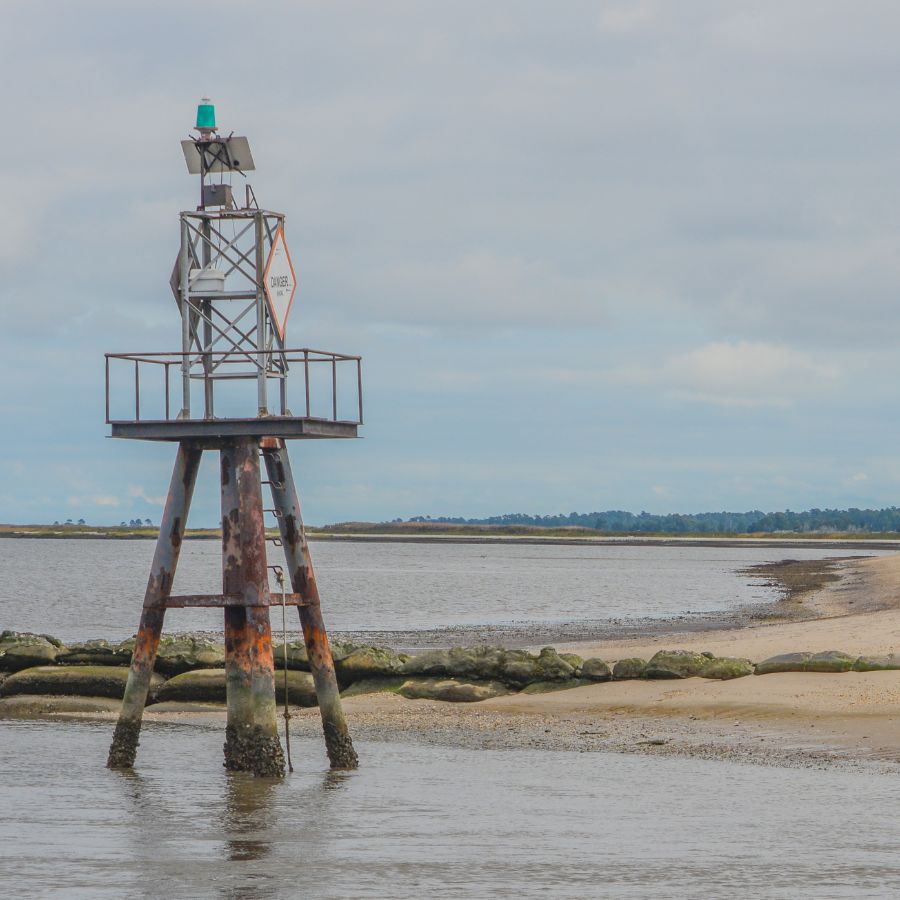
(303, 580)
(251, 734)
(165, 560)
(217, 601)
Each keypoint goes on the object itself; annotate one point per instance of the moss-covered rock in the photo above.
(456, 661)
(512, 667)
(549, 687)
(208, 686)
(85, 681)
(831, 661)
(198, 685)
(675, 664)
(595, 669)
(574, 660)
(375, 686)
(451, 690)
(430, 662)
(783, 662)
(297, 657)
(43, 706)
(827, 661)
(460, 662)
(24, 650)
(183, 653)
(877, 663)
(96, 653)
(550, 666)
(629, 669)
(724, 668)
(368, 662)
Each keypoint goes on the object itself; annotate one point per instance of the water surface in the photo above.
(418, 821)
(81, 589)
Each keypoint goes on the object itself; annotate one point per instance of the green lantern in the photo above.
(206, 115)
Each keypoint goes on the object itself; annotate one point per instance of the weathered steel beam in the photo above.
(251, 735)
(217, 601)
(303, 580)
(165, 559)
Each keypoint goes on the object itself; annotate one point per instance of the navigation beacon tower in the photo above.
(234, 284)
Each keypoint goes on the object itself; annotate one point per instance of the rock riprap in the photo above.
(85, 681)
(96, 653)
(515, 668)
(451, 690)
(183, 653)
(549, 687)
(877, 663)
(675, 664)
(297, 657)
(595, 669)
(826, 661)
(368, 662)
(724, 668)
(208, 686)
(40, 664)
(628, 669)
(22, 650)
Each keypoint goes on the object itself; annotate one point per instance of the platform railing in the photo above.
(209, 367)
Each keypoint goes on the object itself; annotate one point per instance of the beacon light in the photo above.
(206, 115)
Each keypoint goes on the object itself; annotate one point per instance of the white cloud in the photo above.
(139, 493)
(743, 373)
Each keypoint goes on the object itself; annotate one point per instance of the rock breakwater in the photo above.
(191, 669)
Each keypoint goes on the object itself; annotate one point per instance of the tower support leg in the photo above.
(303, 581)
(125, 740)
(251, 734)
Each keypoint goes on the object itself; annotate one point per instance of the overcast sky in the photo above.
(638, 255)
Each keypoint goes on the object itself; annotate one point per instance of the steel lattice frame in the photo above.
(234, 324)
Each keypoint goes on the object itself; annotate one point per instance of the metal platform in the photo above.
(208, 431)
(330, 405)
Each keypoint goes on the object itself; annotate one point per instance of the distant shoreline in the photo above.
(493, 536)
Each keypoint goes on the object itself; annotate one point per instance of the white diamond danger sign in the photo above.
(279, 282)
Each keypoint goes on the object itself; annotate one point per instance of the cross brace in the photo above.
(184, 601)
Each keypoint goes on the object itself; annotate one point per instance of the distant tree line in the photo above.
(617, 520)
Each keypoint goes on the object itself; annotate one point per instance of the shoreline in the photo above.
(802, 719)
(793, 542)
(793, 578)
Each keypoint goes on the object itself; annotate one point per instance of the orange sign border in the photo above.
(280, 329)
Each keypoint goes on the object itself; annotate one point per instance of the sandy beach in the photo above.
(797, 719)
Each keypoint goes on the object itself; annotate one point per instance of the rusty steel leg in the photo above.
(251, 742)
(303, 580)
(171, 531)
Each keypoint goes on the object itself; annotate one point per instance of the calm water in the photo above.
(83, 589)
(419, 821)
